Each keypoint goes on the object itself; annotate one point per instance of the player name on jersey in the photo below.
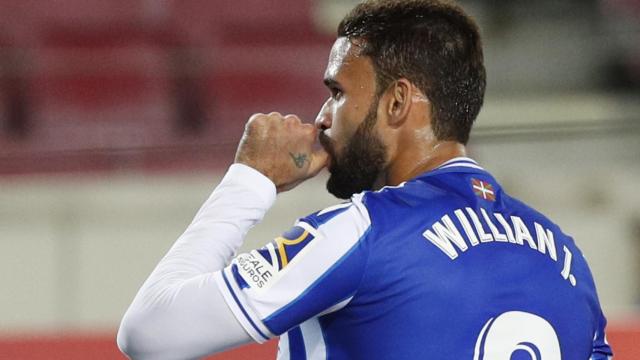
(444, 234)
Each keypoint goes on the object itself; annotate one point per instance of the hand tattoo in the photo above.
(299, 159)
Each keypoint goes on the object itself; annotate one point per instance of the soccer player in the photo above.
(429, 258)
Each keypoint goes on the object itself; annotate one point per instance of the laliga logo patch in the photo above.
(292, 242)
(262, 268)
(255, 270)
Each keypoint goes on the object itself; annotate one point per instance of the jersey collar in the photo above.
(459, 164)
(461, 161)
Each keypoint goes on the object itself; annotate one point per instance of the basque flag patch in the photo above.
(483, 189)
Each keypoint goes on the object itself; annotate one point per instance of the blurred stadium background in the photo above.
(118, 117)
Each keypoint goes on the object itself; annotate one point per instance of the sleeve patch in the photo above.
(291, 243)
(258, 270)
(254, 269)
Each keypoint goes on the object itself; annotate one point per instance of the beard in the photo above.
(361, 162)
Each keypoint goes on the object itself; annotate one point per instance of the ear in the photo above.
(398, 104)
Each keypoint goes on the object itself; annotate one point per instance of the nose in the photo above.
(323, 120)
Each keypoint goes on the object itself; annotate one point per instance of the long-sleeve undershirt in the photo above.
(179, 312)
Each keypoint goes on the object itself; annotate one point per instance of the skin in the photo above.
(281, 147)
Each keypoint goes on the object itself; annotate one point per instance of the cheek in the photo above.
(345, 123)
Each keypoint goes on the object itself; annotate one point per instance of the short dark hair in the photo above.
(432, 43)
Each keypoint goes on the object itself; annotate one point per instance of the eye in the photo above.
(336, 93)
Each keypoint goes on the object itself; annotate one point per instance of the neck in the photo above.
(412, 163)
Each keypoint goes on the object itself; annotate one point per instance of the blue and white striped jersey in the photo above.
(444, 266)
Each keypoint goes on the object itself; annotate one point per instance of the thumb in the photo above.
(319, 160)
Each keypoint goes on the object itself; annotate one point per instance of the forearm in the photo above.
(218, 229)
(180, 297)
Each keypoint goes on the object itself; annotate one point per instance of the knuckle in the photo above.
(308, 130)
(292, 121)
(255, 120)
(292, 117)
(256, 116)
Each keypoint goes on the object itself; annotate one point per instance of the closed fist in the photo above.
(281, 148)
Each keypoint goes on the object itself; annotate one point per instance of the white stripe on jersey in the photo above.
(245, 315)
(461, 165)
(283, 347)
(313, 340)
(459, 159)
(338, 236)
(334, 207)
(314, 345)
(274, 257)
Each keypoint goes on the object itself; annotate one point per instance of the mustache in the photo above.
(327, 143)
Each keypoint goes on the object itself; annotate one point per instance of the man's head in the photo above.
(398, 68)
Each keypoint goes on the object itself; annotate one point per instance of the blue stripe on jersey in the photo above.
(316, 220)
(454, 168)
(265, 254)
(244, 312)
(325, 338)
(280, 320)
(238, 278)
(297, 350)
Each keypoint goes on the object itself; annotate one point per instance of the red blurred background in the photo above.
(91, 86)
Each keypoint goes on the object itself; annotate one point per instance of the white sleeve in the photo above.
(179, 312)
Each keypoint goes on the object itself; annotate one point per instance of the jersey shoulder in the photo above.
(421, 199)
(354, 211)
